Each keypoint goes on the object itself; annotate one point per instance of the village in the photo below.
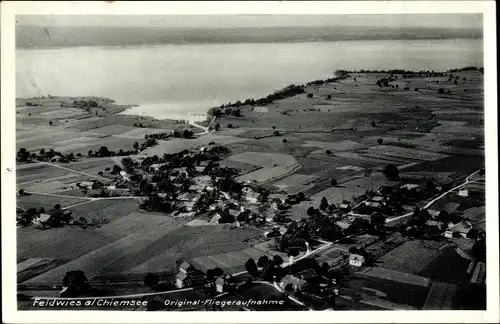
(225, 211)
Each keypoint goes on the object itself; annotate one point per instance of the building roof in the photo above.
(377, 198)
(220, 281)
(184, 265)
(372, 204)
(252, 195)
(290, 279)
(307, 274)
(356, 257)
(181, 276)
(461, 227)
(343, 224)
(410, 186)
(87, 183)
(44, 217)
(216, 218)
(343, 206)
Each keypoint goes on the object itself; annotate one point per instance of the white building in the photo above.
(219, 285)
(356, 260)
(463, 192)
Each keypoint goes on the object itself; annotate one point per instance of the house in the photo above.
(196, 187)
(434, 223)
(184, 197)
(343, 224)
(180, 278)
(156, 167)
(296, 283)
(124, 175)
(433, 212)
(162, 195)
(356, 260)
(111, 187)
(219, 285)
(345, 206)
(252, 196)
(216, 218)
(463, 192)
(199, 169)
(373, 204)
(377, 198)
(185, 267)
(462, 228)
(307, 274)
(187, 205)
(283, 230)
(86, 185)
(410, 186)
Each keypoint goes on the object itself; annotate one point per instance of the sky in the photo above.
(221, 21)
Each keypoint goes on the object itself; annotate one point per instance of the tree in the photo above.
(42, 210)
(333, 182)
(187, 133)
(251, 267)
(328, 152)
(76, 283)
(218, 272)
(90, 153)
(377, 220)
(151, 280)
(324, 204)
(42, 152)
(21, 192)
(50, 123)
(276, 133)
(391, 172)
(57, 206)
(311, 211)
(277, 260)
(136, 146)
(263, 260)
(210, 274)
(380, 141)
(285, 140)
(103, 151)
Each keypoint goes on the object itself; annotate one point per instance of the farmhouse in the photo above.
(410, 186)
(185, 267)
(356, 260)
(219, 285)
(377, 198)
(156, 167)
(216, 218)
(433, 212)
(125, 176)
(252, 196)
(373, 204)
(462, 228)
(89, 185)
(463, 193)
(296, 283)
(343, 224)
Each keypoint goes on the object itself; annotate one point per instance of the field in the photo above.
(295, 183)
(273, 165)
(176, 145)
(411, 257)
(47, 202)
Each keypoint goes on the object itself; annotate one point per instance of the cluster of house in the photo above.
(52, 217)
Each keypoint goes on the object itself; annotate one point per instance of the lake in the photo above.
(175, 81)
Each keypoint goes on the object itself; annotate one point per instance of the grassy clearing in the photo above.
(449, 266)
(60, 243)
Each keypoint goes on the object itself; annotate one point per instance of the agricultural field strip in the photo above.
(405, 152)
(29, 263)
(92, 263)
(397, 276)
